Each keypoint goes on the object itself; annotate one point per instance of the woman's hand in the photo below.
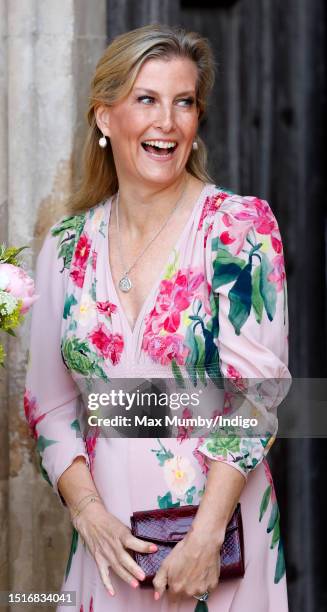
(192, 567)
(108, 539)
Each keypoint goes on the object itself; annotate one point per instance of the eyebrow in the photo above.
(154, 93)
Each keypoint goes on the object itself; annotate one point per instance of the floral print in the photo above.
(107, 345)
(179, 474)
(30, 410)
(218, 315)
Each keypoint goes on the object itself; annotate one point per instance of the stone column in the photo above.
(47, 55)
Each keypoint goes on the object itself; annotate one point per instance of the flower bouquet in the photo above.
(17, 292)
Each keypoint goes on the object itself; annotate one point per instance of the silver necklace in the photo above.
(125, 283)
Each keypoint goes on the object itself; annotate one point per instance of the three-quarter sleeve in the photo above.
(246, 267)
(51, 399)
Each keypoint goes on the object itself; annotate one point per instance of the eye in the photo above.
(143, 98)
(188, 101)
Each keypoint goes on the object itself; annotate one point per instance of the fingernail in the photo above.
(134, 583)
(112, 593)
(141, 576)
(156, 595)
(153, 548)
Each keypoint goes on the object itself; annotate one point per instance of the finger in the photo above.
(105, 575)
(130, 565)
(124, 574)
(160, 582)
(139, 545)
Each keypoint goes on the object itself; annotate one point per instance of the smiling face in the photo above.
(152, 129)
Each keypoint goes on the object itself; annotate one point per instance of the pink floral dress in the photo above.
(219, 307)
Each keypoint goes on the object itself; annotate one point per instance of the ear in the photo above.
(102, 117)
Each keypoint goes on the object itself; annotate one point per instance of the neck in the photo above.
(141, 209)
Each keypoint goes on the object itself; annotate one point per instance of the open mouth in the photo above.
(160, 150)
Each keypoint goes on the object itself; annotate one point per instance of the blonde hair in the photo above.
(115, 75)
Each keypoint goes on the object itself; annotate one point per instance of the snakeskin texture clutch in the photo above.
(167, 527)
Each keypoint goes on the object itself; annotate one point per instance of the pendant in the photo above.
(125, 284)
(201, 606)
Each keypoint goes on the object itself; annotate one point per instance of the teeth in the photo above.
(161, 144)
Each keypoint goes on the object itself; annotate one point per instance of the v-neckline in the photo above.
(155, 287)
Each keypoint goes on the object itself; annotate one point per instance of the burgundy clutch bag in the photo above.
(167, 527)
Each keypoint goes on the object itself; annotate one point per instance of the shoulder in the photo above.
(234, 216)
(64, 235)
(75, 231)
(220, 200)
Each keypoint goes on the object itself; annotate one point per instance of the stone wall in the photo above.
(48, 51)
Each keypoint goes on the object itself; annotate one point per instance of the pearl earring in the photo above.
(103, 142)
(195, 145)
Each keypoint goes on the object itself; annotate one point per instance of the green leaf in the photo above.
(195, 361)
(44, 472)
(69, 302)
(224, 257)
(274, 516)
(75, 425)
(190, 494)
(69, 230)
(43, 442)
(79, 357)
(177, 374)
(267, 288)
(224, 274)
(11, 332)
(265, 502)
(72, 222)
(73, 548)
(93, 292)
(275, 535)
(226, 268)
(215, 243)
(166, 501)
(240, 299)
(66, 251)
(257, 300)
(280, 564)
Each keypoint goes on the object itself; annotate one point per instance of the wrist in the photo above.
(86, 508)
(207, 534)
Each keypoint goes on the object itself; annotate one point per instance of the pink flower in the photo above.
(270, 480)
(260, 214)
(278, 274)
(164, 349)
(17, 283)
(207, 233)
(30, 409)
(236, 234)
(108, 345)
(78, 277)
(263, 219)
(211, 205)
(200, 457)
(90, 443)
(254, 213)
(237, 377)
(80, 260)
(184, 432)
(94, 259)
(175, 296)
(106, 308)
(82, 252)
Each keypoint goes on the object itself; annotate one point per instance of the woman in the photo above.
(160, 272)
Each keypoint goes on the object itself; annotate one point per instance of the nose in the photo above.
(165, 119)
